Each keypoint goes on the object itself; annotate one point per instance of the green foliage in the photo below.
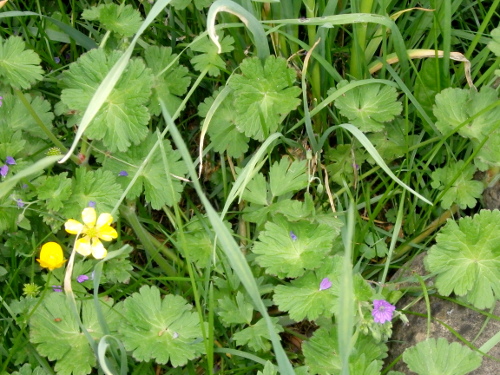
(433, 356)
(344, 160)
(257, 335)
(124, 117)
(27, 370)
(458, 180)
(209, 59)
(54, 190)
(466, 259)
(164, 330)
(160, 170)
(264, 95)
(287, 177)
(370, 106)
(124, 19)
(494, 43)
(19, 67)
(233, 311)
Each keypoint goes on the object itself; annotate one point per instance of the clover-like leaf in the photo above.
(122, 19)
(494, 44)
(466, 259)
(464, 190)
(264, 95)
(456, 106)
(210, 59)
(154, 174)
(285, 255)
(304, 298)
(164, 330)
(222, 129)
(19, 67)
(257, 335)
(58, 336)
(123, 118)
(433, 356)
(287, 176)
(369, 106)
(54, 190)
(98, 186)
(168, 85)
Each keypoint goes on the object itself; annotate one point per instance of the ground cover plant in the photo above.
(227, 187)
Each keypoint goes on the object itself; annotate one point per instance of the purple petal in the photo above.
(123, 174)
(57, 60)
(20, 203)
(92, 204)
(325, 284)
(293, 236)
(382, 311)
(4, 170)
(56, 288)
(82, 278)
(1, 101)
(10, 160)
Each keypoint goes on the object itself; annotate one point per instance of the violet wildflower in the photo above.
(92, 204)
(293, 236)
(57, 60)
(325, 284)
(82, 278)
(123, 174)
(10, 160)
(4, 170)
(382, 311)
(1, 101)
(20, 203)
(56, 288)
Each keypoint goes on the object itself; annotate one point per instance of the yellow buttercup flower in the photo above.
(92, 231)
(51, 256)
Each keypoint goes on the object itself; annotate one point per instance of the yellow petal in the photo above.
(51, 256)
(83, 247)
(107, 233)
(73, 226)
(98, 250)
(104, 219)
(89, 216)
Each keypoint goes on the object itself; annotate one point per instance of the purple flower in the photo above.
(4, 170)
(325, 284)
(92, 204)
(1, 101)
(382, 311)
(20, 203)
(82, 278)
(10, 160)
(56, 288)
(293, 236)
(57, 59)
(123, 174)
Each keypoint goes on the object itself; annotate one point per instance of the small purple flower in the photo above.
(82, 278)
(123, 174)
(20, 203)
(1, 101)
(355, 166)
(325, 284)
(382, 311)
(92, 204)
(57, 59)
(10, 160)
(4, 170)
(293, 236)
(56, 288)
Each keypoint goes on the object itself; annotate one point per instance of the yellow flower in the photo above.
(51, 256)
(92, 231)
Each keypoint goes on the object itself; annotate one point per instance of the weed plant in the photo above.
(227, 187)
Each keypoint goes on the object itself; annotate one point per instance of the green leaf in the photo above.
(123, 118)
(118, 269)
(343, 162)
(494, 44)
(489, 154)
(161, 330)
(269, 369)
(373, 246)
(466, 259)
(368, 107)
(154, 174)
(168, 85)
(182, 4)
(431, 357)
(54, 190)
(26, 370)
(19, 68)
(14, 116)
(121, 19)
(256, 190)
(58, 337)
(287, 177)
(257, 335)
(303, 299)
(99, 186)
(392, 142)
(237, 311)
(455, 106)
(264, 95)
(222, 129)
(464, 190)
(282, 255)
(210, 59)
